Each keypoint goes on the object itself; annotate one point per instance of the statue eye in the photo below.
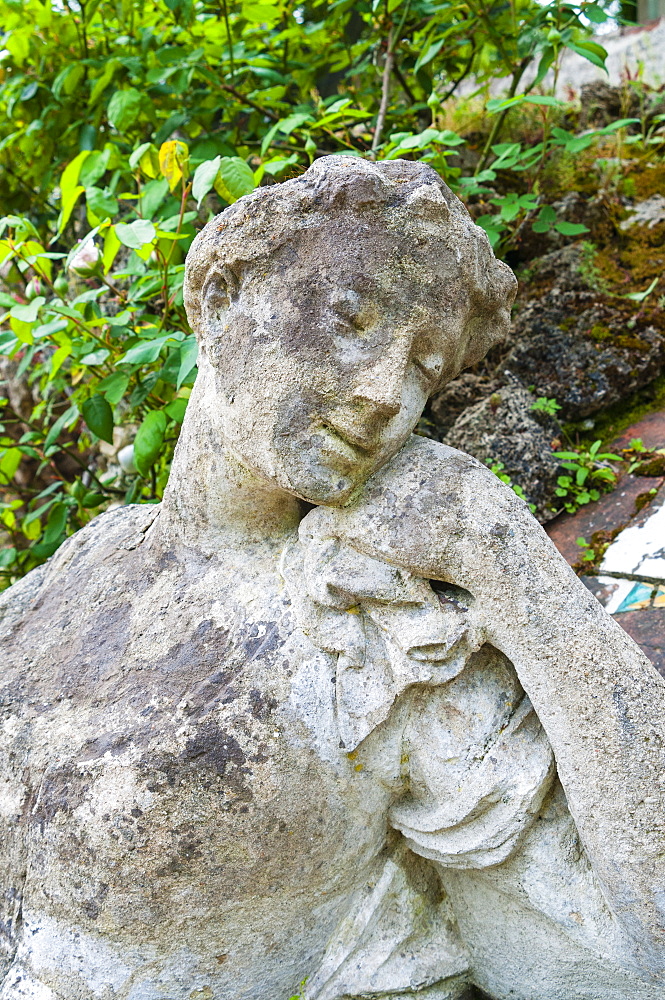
(430, 369)
(350, 319)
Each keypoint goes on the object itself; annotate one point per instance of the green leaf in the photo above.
(501, 103)
(135, 234)
(176, 409)
(100, 203)
(235, 178)
(114, 387)
(621, 123)
(55, 525)
(100, 85)
(145, 352)
(63, 420)
(98, 415)
(124, 108)
(28, 313)
(552, 102)
(8, 557)
(570, 228)
(204, 178)
(69, 199)
(70, 175)
(97, 357)
(189, 350)
(68, 80)
(428, 54)
(596, 54)
(111, 246)
(94, 167)
(641, 296)
(595, 13)
(286, 126)
(149, 440)
(92, 499)
(152, 196)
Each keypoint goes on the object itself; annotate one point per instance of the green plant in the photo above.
(585, 467)
(498, 469)
(592, 552)
(588, 554)
(545, 405)
(132, 124)
(588, 268)
(101, 339)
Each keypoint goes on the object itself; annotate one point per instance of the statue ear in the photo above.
(219, 289)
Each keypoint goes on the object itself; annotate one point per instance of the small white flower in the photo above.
(85, 260)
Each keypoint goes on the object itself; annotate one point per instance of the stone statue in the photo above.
(335, 720)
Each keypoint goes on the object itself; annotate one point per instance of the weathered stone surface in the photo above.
(650, 212)
(573, 343)
(247, 745)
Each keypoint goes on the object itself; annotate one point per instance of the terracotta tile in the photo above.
(638, 598)
(640, 548)
(647, 628)
(612, 512)
(609, 590)
(651, 429)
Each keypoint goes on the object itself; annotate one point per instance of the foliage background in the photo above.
(126, 124)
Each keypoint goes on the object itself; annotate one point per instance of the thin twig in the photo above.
(247, 100)
(403, 83)
(499, 120)
(229, 37)
(385, 94)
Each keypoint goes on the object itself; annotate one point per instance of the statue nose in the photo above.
(384, 401)
(380, 385)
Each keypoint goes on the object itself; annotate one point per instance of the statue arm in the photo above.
(440, 514)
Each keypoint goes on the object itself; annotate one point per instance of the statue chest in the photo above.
(176, 794)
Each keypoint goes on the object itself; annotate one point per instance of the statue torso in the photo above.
(182, 818)
(161, 792)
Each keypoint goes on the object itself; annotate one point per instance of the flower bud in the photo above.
(85, 261)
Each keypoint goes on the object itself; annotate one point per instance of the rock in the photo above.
(650, 212)
(577, 344)
(504, 430)
(603, 104)
(453, 399)
(570, 340)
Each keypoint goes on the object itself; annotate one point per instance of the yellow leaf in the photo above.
(150, 161)
(21, 330)
(32, 530)
(174, 161)
(60, 355)
(111, 246)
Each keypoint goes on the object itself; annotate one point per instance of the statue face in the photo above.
(324, 358)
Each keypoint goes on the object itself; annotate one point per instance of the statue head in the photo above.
(328, 308)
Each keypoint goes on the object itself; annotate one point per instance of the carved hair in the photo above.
(405, 195)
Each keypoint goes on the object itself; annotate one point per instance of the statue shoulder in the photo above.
(113, 533)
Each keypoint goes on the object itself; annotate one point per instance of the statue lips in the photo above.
(352, 439)
(355, 449)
